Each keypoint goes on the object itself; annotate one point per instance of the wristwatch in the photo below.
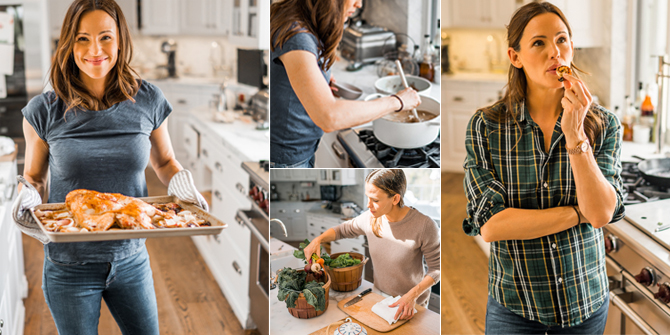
(581, 147)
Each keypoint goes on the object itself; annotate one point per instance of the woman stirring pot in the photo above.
(305, 35)
(542, 176)
(399, 238)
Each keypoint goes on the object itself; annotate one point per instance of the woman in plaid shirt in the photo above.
(542, 176)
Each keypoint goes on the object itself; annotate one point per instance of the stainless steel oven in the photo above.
(258, 222)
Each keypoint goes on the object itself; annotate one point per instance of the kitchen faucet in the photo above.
(281, 224)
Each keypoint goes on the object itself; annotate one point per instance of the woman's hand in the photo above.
(332, 86)
(410, 98)
(576, 103)
(314, 247)
(405, 306)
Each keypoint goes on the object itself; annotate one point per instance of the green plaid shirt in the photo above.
(558, 279)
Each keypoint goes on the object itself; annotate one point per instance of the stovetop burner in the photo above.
(390, 157)
(636, 189)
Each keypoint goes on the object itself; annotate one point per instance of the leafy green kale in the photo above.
(292, 282)
(344, 261)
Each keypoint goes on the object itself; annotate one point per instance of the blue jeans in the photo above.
(306, 164)
(73, 292)
(500, 320)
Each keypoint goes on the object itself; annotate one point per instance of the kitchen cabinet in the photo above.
(250, 23)
(586, 21)
(295, 175)
(461, 99)
(58, 8)
(204, 17)
(293, 215)
(340, 177)
(479, 13)
(13, 283)
(317, 224)
(160, 17)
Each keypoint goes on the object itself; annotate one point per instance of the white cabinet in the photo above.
(340, 177)
(460, 100)
(204, 17)
(294, 175)
(160, 17)
(586, 21)
(317, 224)
(293, 215)
(479, 13)
(58, 8)
(250, 23)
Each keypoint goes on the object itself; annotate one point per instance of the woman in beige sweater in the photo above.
(399, 238)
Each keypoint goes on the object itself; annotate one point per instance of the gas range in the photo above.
(366, 151)
(636, 189)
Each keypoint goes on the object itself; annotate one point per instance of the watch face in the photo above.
(585, 146)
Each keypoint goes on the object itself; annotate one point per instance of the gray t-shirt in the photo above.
(104, 151)
(294, 136)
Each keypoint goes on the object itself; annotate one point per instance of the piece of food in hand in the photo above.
(316, 267)
(563, 70)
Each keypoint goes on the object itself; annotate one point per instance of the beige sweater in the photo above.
(398, 255)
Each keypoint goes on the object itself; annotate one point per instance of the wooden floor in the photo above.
(189, 299)
(464, 265)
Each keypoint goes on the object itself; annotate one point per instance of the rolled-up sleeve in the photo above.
(353, 227)
(485, 193)
(609, 161)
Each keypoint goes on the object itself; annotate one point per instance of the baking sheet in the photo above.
(215, 229)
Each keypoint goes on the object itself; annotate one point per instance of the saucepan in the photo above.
(655, 170)
(404, 135)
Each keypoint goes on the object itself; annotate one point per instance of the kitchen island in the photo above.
(284, 323)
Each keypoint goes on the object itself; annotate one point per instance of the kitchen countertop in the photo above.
(240, 136)
(365, 79)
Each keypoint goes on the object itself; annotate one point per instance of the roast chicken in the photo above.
(94, 211)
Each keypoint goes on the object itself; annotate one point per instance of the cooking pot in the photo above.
(409, 135)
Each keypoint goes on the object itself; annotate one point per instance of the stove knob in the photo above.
(646, 277)
(611, 243)
(663, 292)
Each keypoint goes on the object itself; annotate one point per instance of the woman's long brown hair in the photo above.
(516, 77)
(120, 83)
(322, 18)
(392, 182)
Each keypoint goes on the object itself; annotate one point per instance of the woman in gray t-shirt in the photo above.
(97, 130)
(305, 35)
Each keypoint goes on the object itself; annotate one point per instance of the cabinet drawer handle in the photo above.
(2, 324)
(217, 194)
(240, 188)
(187, 140)
(338, 243)
(239, 221)
(324, 228)
(217, 239)
(458, 99)
(354, 249)
(311, 224)
(282, 211)
(297, 211)
(204, 153)
(182, 101)
(237, 268)
(218, 167)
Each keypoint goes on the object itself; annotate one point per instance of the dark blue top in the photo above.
(105, 151)
(294, 136)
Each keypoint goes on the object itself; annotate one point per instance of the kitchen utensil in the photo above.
(404, 84)
(348, 91)
(357, 298)
(393, 84)
(655, 170)
(124, 234)
(410, 135)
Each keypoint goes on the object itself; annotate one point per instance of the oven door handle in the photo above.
(242, 218)
(630, 313)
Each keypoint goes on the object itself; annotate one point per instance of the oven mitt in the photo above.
(28, 198)
(182, 186)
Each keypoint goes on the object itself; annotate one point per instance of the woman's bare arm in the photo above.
(327, 112)
(162, 156)
(528, 224)
(37, 159)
